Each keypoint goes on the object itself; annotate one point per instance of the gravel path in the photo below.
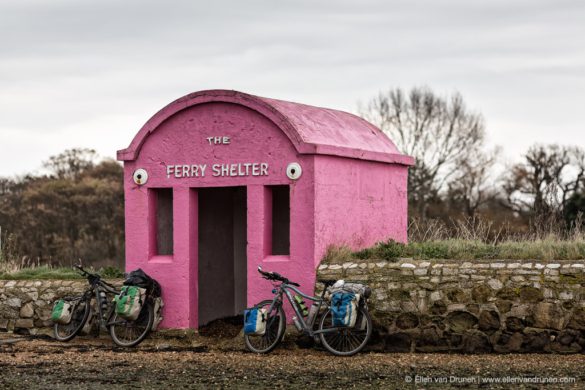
(94, 363)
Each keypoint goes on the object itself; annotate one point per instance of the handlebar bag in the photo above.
(61, 313)
(255, 321)
(129, 302)
(344, 308)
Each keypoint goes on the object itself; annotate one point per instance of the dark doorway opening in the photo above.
(222, 252)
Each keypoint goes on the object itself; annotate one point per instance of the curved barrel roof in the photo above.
(312, 130)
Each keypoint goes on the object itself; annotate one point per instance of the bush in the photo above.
(111, 273)
(389, 250)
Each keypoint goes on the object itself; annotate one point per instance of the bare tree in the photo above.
(439, 132)
(577, 182)
(546, 179)
(71, 163)
(473, 186)
(5, 186)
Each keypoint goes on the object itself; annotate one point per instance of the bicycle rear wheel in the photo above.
(79, 316)
(131, 333)
(275, 327)
(346, 341)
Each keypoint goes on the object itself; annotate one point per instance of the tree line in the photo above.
(457, 178)
(74, 211)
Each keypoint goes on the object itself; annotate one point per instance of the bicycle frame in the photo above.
(94, 292)
(284, 289)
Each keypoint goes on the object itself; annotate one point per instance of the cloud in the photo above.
(88, 73)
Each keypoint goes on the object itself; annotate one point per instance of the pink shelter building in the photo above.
(219, 182)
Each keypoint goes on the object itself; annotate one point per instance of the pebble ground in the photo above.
(90, 363)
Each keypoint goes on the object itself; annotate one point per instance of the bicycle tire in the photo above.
(124, 333)
(272, 336)
(345, 342)
(78, 320)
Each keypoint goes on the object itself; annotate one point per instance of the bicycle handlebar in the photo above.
(276, 276)
(94, 277)
(80, 268)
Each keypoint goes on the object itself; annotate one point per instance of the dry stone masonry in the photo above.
(25, 305)
(418, 305)
(472, 306)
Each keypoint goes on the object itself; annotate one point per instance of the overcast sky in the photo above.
(77, 73)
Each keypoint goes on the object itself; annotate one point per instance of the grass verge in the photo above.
(59, 273)
(546, 249)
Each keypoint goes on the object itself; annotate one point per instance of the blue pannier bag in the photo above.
(344, 308)
(255, 321)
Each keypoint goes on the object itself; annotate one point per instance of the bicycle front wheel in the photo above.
(275, 327)
(79, 316)
(346, 341)
(131, 333)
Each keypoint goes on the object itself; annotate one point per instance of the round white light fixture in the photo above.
(140, 176)
(294, 171)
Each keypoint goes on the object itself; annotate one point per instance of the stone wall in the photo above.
(472, 306)
(420, 306)
(25, 305)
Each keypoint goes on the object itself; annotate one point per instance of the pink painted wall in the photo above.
(352, 190)
(358, 203)
(182, 140)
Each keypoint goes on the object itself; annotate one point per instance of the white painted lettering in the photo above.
(230, 169)
(219, 140)
(216, 171)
